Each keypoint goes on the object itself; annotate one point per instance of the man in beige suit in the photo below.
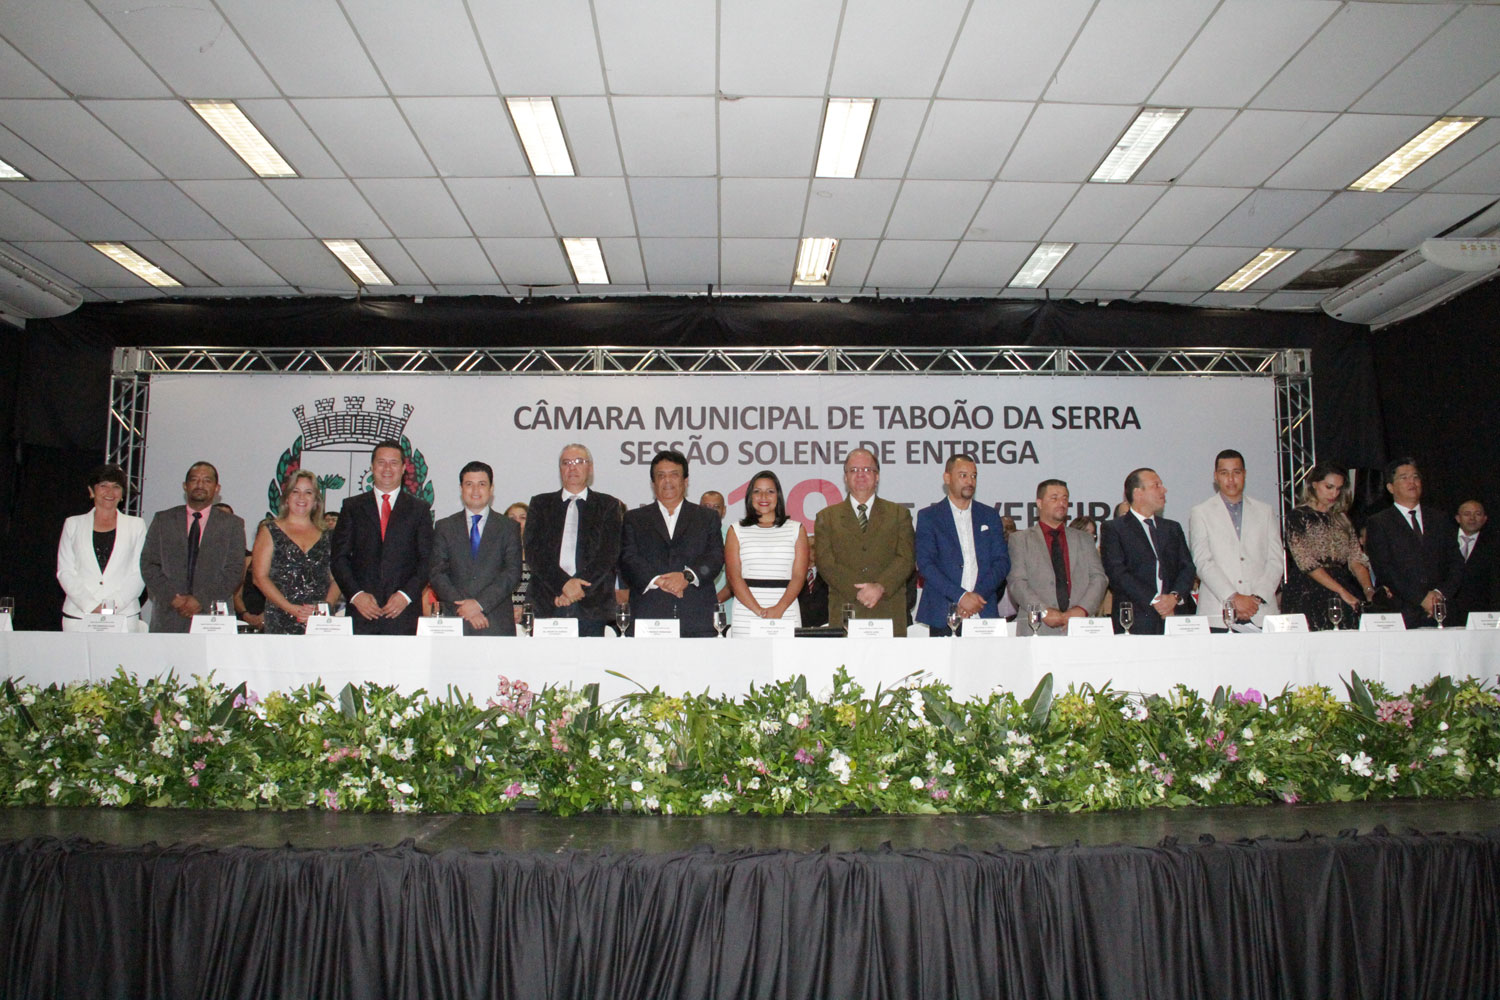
(1236, 545)
(866, 548)
(1038, 553)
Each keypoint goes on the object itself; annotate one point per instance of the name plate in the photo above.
(329, 625)
(444, 628)
(1272, 624)
(554, 628)
(1484, 619)
(106, 623)
(1187, 625)
(983, 628)
(763, 628)
(1090, 626)
(657, 628)
(1386, 621)
(870, 628)
(214, 625)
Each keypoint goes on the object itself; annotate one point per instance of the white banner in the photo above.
(1088, 430)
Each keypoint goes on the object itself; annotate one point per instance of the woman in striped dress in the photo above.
(765, 554)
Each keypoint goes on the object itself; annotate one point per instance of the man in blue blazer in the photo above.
(961, 551)
(1146, 557)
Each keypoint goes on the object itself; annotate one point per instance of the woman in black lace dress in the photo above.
(1326, 561)
(290, 559)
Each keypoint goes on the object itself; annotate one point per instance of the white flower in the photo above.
(948, 767)
(184, 725)
(103, 739)
(1247, 735)
(1438, 750)
(840, 766)
(651, 802)
(395, 720)
(1442, 727)
(1460, 769)
(770, 726)
(404, 787)
(917, 783)
(1360, 765)
(1392, 773)
(637, 787)
(794, 720)
(594, 751)
(1257, 776)
(28, 699)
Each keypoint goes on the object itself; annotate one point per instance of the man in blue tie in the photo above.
(476, 558)
(1146, 557)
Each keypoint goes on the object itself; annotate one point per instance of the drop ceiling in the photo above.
(694, 127)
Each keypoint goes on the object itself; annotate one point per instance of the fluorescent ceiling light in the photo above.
(1254, 271)
(815, 260)
(846, 123)
(1040, 264)
(10, 173)
(587, 260)
(359, 262)
(1149, 130)
(136, 264)
(226, 118)
(541, 135)
(1429, 142)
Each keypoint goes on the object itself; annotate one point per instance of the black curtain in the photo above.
(1399, 917)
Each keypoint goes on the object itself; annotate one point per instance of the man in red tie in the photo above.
(381, 549)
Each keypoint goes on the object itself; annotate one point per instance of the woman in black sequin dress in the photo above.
(290, 559)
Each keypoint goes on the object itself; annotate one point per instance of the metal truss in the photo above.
(1290, 370)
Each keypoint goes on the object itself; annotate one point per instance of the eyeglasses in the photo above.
(862, 470)
(573, 461)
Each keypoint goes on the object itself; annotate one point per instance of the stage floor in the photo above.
(665, 834)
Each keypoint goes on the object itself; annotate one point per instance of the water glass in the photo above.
(1127, 615)
(953, 619)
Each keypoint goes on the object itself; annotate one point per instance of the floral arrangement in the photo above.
(906, 749)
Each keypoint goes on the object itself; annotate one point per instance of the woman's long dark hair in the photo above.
(751, 518)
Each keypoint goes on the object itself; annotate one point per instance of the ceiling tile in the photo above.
(1009, 51)
(687, 206)
(81, 263)
(192, 48)
(19, 78)
(529, 262)
(1254, 146)
(1484, 101)
(1292, 268)
(306, 264)
(1262, 217)
(664, 47)
(322, 57)
(759, 55)
(589, 125)
(1239, 50)
(72, 138)
(588, 206)
(852, 263)
(425, 48)
(910, 263)
(1359, 45)
(1132, 265)
(1449, 66)
(1066, 142)
(280, 123)
(1460, 152)
(367, 136)
(769, 136)
(1102, 213)
(1202, 269)
(1153, 32)
(330, 209)
(849, 207)
(893, 136)
(761, 207)
(1187, 142)
(79, 210)
(692, 262)
(893, 48)
(1078, 263)
(967, 140)
(171, 137)
(622, 256)
(1019, 210)
(667, 136)
(452, 262)
(1346, 149)
(19, 154)
(759, 262)
(245, 208)
(466, 136)
(501, 206)
(227, 262)
(934, 210)
(172, 262)
(1481, 174)
(536, 49)
(1345, 216)
(163, 209)
(414, 207)
(1184, 214)
(984, 265)
(1424, 217)
(395, 262)
(19, 221)
(73, 45)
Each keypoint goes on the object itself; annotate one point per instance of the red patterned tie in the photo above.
(385, 513)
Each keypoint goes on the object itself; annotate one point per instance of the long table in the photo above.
(971, 667)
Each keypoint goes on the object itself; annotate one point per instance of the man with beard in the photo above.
(961, 551)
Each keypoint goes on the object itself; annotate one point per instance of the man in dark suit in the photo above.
(1478, 589)
(193, 556)
(1413, 555)
(573, 546)
(381, 549)
(1146, 557)
(961, 551)
(868, 548)
(671, 551)
(476, 558)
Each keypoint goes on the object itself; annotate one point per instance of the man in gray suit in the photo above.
(476, 558)
(1054, 566)
(194, 555)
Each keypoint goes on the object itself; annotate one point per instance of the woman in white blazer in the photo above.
(101, 537)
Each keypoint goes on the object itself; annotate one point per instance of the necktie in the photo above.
(567, 556)
(1468, 541)
(864, 519)
(385, 513)
(195, 535)
(1415, 526)
(1161, 586)
(474, 537)
(1060, 570)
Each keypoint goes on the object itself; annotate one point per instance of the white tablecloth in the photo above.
(729, 666)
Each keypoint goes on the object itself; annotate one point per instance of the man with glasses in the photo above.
(572, 545)
(866, 548)
(1411, 549)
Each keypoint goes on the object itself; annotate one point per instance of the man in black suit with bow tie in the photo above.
(573, 546)
(1146, 557)
(671, 551)
(381, 549)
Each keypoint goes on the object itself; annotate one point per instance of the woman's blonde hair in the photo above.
(316, 516)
